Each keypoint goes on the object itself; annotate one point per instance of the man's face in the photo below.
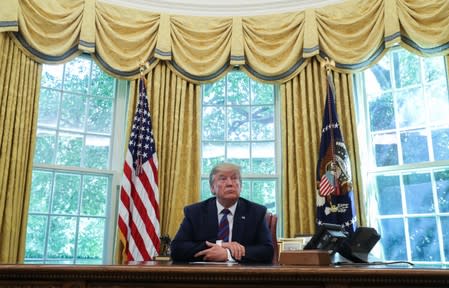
(226, 186)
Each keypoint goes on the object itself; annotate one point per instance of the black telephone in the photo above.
(357, 247)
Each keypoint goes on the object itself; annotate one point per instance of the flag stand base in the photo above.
(305, 257)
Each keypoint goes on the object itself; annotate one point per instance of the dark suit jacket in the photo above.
(200, 223)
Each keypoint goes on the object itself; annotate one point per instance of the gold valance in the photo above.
(9, 14)
(271, 48)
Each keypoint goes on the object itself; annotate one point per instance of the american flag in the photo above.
(139, 217)
(335, 200)
(327, 184)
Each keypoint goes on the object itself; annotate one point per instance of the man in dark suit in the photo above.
(247, 240)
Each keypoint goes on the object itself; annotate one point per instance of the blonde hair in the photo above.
(224, 165)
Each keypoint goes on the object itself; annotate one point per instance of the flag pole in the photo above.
(328, 64)
(139, 159)
(329, 111)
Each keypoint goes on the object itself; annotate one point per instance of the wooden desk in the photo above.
(153, 274)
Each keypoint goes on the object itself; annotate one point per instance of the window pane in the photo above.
(36, 234)
(439, 101)
(393, 239)
(246, 189)
(382, 105)
(444, 225)
(442, 186)
(412, 108)
(434, 69)
(261, 94)
(378, 78)
(440, 140)
(264, 193)
(263, 160)
(424, 239)
(262, 123)
(214, 94)
(418, 193)
(59, 262)
(100, 113)
(386, 149)
(95, 189)
(102, 84)
(90, 240)
(45, 146)
(61, 239)
(41, 191)
(73, 112)
(406, 68)
(237, 88)
(238, 123)
(89, 261)
(205, 189)
(76, 76)
(48, 107)
(239, 153)
(97, 152)
(212, 154)
(389, 195)
(213, 123)
(66, 194)
(70, 148)
(52, 76)
(414, 146)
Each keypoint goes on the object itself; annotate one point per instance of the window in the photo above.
(402, 106)
(239, 126)
(71, 215)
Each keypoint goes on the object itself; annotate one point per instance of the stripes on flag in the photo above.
(327, 184)
(139, 219)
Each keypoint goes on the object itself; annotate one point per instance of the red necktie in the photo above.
(223, 227)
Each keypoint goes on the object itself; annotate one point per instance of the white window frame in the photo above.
(116, 159)
(369, 171)
(278, 154)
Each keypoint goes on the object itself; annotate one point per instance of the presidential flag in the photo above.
(139, 217)
(335, 200)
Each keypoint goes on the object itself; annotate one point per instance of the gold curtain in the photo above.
(19, 88)
(302, 107)
(175, 108)
(175, 112)
(284, 48)
(271, 48)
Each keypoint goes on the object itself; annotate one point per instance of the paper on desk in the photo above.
(214, 263)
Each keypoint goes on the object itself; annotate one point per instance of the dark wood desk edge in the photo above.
(279, 275)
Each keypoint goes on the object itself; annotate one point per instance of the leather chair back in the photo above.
(272, 220)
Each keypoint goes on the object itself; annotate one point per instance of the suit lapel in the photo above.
(239, 222)
(212, 220)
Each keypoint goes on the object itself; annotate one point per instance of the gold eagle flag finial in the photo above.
(143, 65)
(328, 64)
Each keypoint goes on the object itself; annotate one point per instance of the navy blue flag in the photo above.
(335, 199)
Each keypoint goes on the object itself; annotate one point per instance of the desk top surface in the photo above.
(235, 267)
(204, 274)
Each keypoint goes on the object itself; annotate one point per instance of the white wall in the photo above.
(223, 7)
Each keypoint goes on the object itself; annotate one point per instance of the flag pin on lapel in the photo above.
(243, 217)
